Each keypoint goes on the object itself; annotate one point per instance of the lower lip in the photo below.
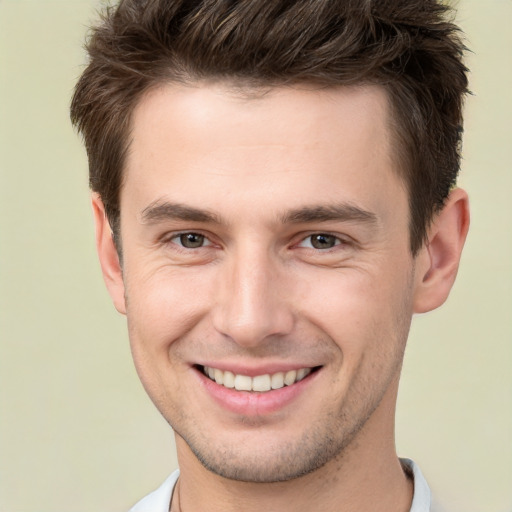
(254, 403)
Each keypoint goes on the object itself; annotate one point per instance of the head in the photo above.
(277, 177)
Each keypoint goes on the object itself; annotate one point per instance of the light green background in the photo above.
(77, 432)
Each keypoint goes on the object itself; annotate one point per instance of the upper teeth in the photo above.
(259, 383)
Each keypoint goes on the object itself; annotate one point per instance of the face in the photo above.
(267, 277)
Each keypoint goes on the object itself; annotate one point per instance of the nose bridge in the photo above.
(251, 303)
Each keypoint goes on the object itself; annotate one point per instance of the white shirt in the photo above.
(160, 499)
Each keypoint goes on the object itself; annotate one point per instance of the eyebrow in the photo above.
(160, 211)
(344, 212)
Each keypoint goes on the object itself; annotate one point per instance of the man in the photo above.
(273, 192)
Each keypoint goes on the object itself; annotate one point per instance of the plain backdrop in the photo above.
(78, 434)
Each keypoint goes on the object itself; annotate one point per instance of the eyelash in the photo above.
(338, 241)
(178, 236)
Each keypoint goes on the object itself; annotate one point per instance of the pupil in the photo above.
(191, 240)
(323, 241)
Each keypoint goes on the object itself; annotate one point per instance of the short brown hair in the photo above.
(409, 47)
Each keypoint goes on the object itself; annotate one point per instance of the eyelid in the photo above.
(340, 239)
(169, 237)
(172, 236)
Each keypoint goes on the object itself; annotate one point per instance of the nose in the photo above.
(253, 304)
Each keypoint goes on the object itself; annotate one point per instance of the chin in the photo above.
(259, 460)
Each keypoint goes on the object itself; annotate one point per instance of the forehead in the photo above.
(299, 108)
(216, 113)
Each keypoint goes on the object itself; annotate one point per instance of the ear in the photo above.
(438, 260)
(107, 252)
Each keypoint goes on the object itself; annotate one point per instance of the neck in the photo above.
(366, 477)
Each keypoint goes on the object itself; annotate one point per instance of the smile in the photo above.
(260, 383)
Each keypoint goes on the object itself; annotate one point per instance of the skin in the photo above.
(250, 173)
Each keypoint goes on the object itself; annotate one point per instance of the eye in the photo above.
(320, 241)
(190, 240)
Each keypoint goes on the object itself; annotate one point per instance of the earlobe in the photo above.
(108, 255)
(438, 260)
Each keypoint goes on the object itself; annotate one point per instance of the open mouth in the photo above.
(259, 383)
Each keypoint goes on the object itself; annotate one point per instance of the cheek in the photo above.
(359, 310)
(159, 312)
(340, 300)
(162, 306)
